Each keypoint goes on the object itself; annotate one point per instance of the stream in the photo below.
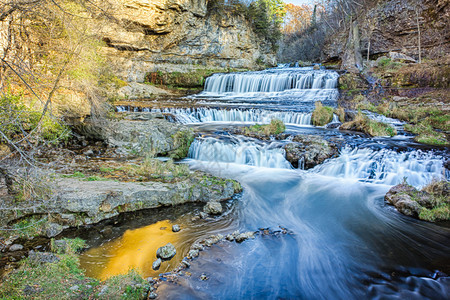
(345, 241)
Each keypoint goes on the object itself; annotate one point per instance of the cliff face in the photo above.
(179, 35)
(391, 25)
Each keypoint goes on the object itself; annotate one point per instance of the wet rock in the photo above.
(213, 208)
(42, 257)
(53, 229)
(400, 197)
(214, 239)
(204, 277)
(193, 253)
(59, 246)
(152, 295)
(185, 263)
(15, 247)
(203, 215)
(394, 194)
(307, 151)
(407, 206)
(156, 264)
(166, 252)
(176, 228)
(245, 236)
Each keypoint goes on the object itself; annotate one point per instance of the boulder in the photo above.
(307, 151)
(213, 208)
(176, 228)
(136, 90)
(15, 247)
(156, 264)
(395, 56)
(166, 252)
(42, 257)
(245, 236)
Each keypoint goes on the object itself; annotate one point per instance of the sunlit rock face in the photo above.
(174, 35)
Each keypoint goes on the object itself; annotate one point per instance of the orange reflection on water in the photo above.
(135, 249)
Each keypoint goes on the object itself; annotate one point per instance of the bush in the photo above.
(17, 120)
(321, 115)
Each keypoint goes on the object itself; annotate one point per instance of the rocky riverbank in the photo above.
(89, 182)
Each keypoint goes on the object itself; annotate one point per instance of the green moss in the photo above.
(426, 134)
(322, 115)
(373, 128)
(275, 127)
(182, 141)
(70, 246)
(435, 214)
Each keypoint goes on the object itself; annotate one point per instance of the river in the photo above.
(345, 242)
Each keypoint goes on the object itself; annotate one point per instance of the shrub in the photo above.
(321, 115)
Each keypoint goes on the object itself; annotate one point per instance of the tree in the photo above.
(298, 18)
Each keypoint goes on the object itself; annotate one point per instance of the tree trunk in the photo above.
(418, 30)
(352, 58)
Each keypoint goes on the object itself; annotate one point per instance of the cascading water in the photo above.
(245, 153)
(198, 115)
(345, 242)
(384, 166)
(273, 80)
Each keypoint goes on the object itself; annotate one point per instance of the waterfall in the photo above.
(245, 153)
(384, 166)
(204, 114)
(272, 80)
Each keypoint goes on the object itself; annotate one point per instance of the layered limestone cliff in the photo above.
(391, 25)
(179, 36)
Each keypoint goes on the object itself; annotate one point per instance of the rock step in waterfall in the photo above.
(271, 80)
(206, 114)
(383, 166)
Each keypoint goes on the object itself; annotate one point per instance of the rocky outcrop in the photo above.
(76, 202)
(179, 35)
(140, 134)
(430, 204)
(307, 151)
(391, 25)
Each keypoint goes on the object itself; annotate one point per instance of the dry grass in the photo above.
(321, 115)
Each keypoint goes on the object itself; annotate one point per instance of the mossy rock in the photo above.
(351, 81)
(182, 141)
(363, 124)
